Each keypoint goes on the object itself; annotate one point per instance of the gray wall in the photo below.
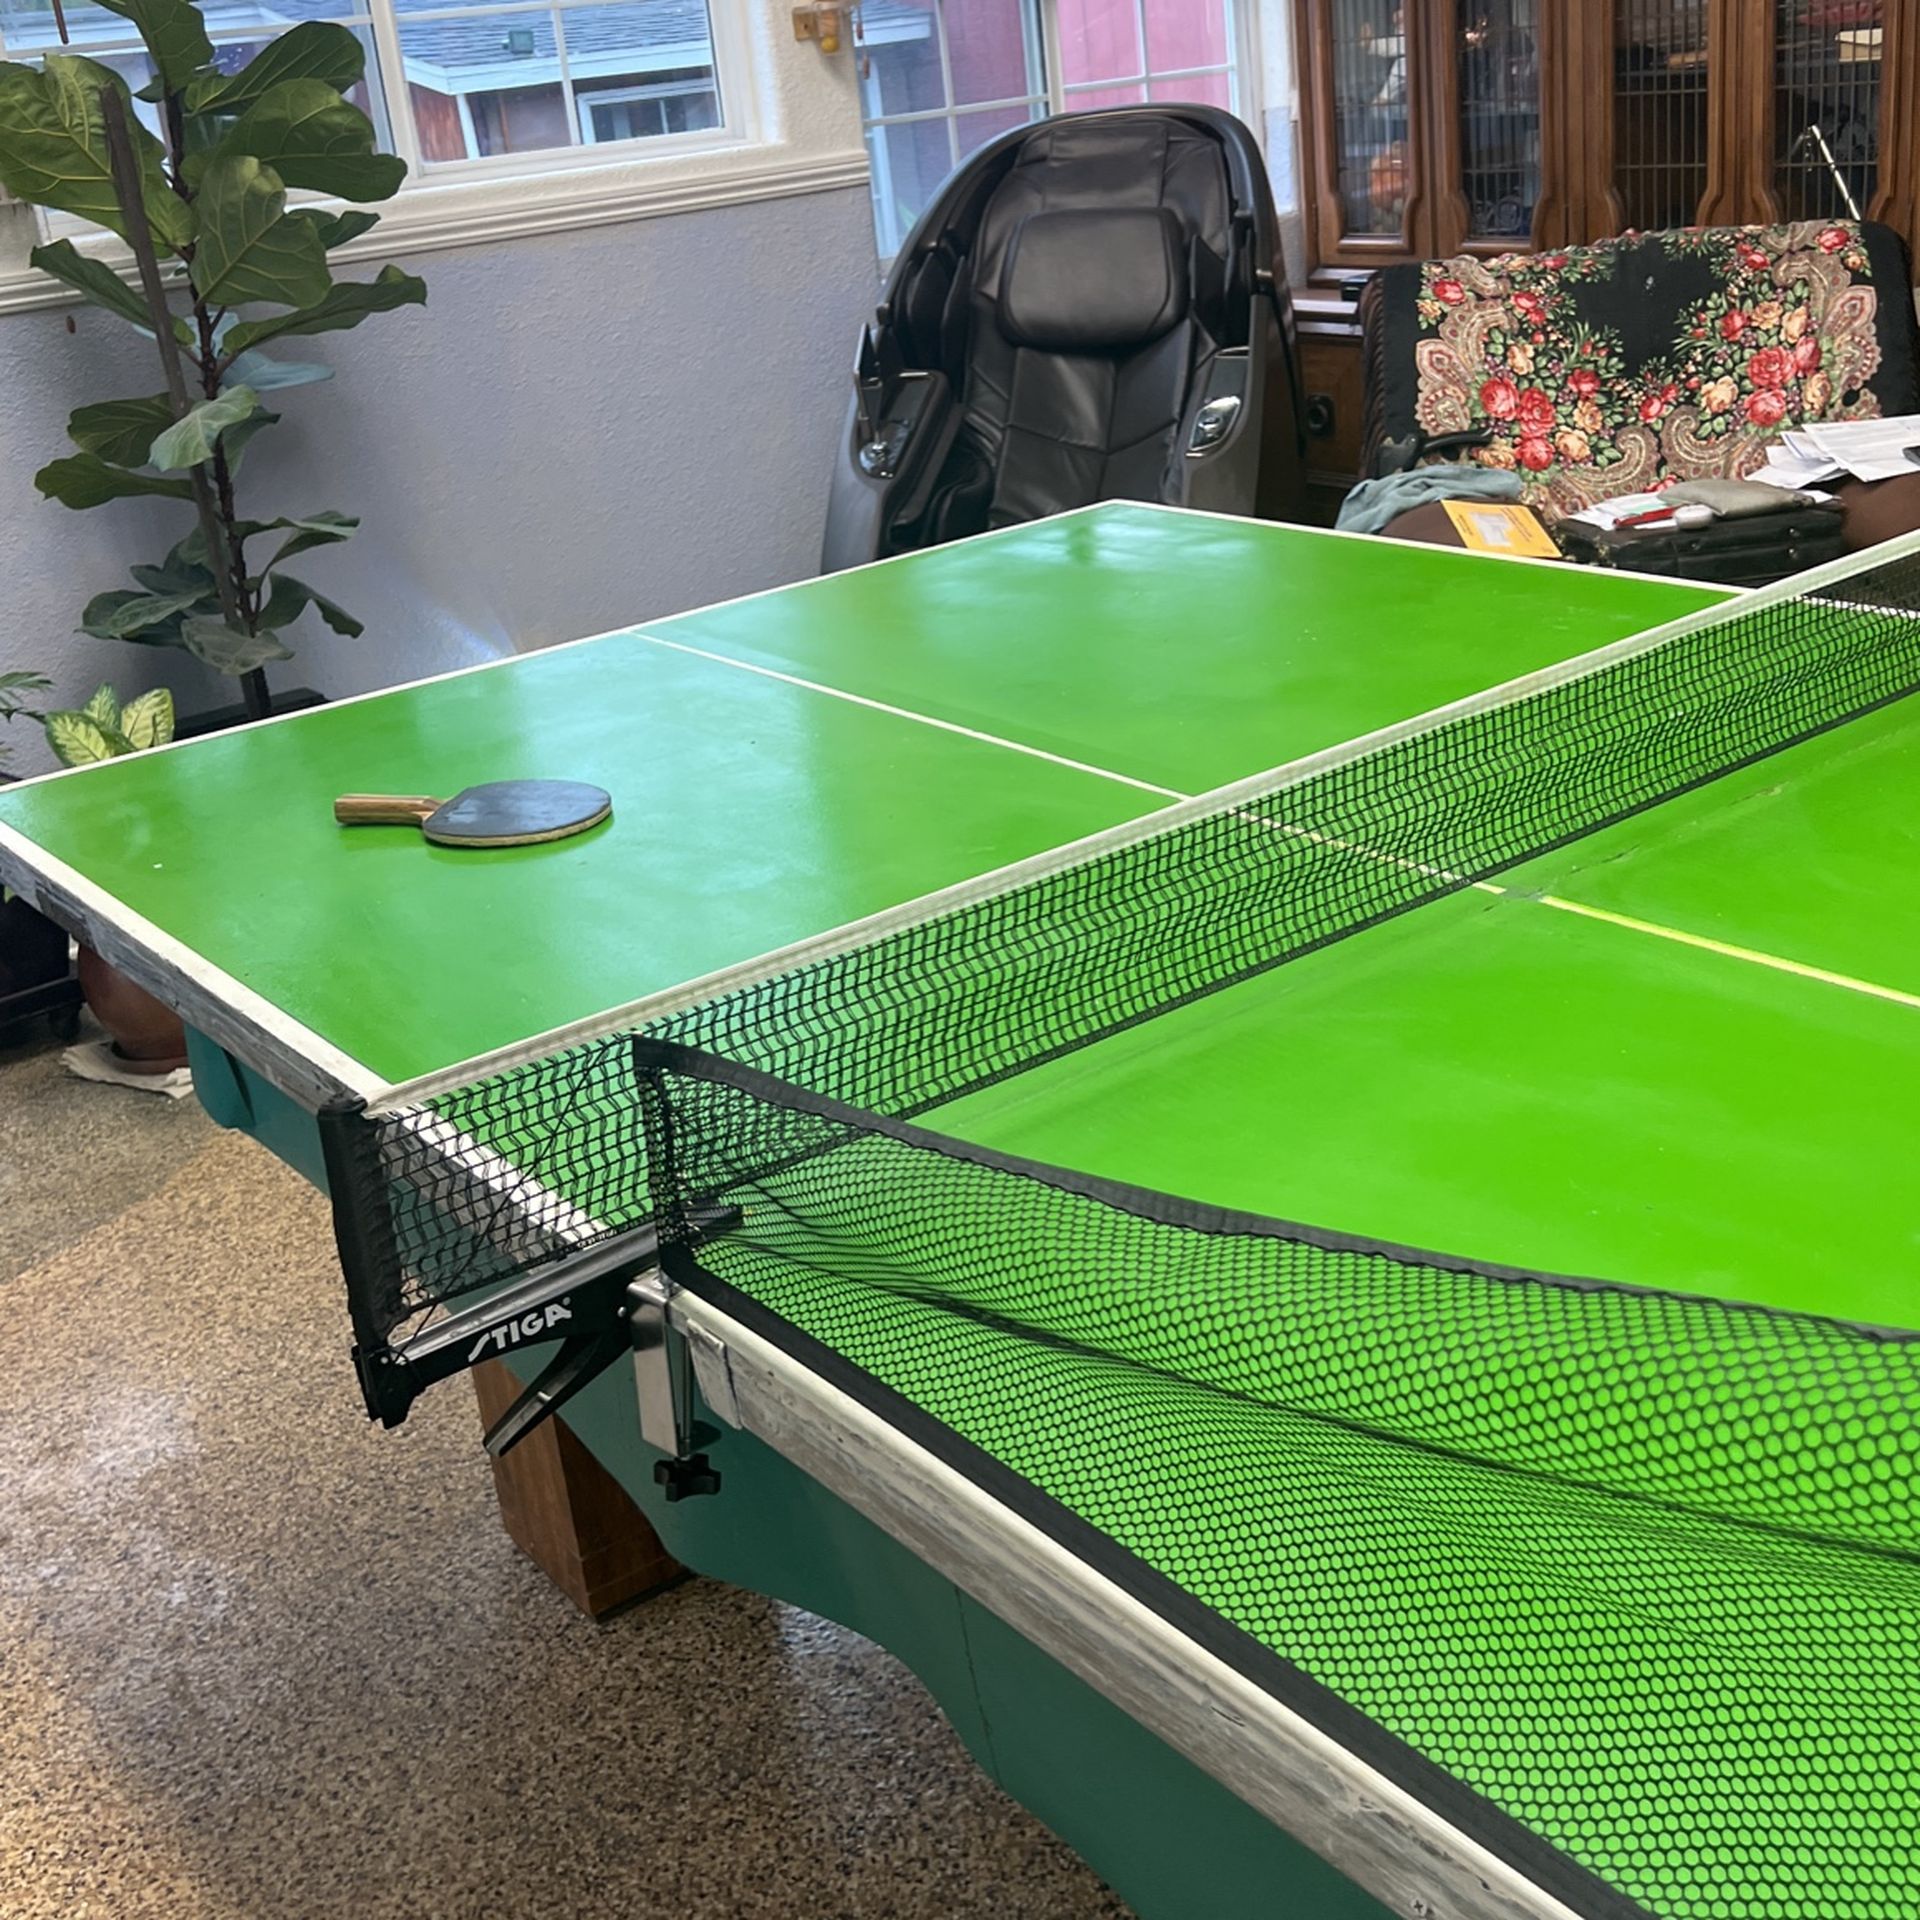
(579, 430)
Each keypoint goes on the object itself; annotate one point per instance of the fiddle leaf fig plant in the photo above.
(226, 265)
(14, 686)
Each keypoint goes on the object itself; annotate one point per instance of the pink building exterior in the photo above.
(994, 54)
(1099, 40)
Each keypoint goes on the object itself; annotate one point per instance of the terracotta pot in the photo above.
(147, 1036)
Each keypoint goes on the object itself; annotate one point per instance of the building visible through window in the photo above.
(940, 78)
(474, 81)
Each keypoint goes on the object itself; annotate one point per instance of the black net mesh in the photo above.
(1640, 1569)
(993, 988)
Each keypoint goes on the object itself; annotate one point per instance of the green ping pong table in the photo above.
(1284, 1160)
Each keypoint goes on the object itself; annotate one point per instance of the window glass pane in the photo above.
(1500, 117)
(1827, 107)
(909, 162)
(1369, 45)
(1186, 33)
(990, 52)
(1099, 40)
(976, 129)
(28, 26)
(648, 68)
(487, 84)
(1660, 56)
(1194, 89)
(899, 59)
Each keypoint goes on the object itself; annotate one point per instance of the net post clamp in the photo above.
(664, 1386)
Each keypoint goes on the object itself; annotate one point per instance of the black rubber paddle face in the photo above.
(513, 813)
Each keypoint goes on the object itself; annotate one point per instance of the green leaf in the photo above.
(192, 438)
(345, 305)
(248, 248)
(173, 576)
(120, 430)
(236, 440)
(227, 649)
(148, 721)
(291, 598)
(263, 375)
(175, 34)
(311, 137)
(64, 262)
(85, 480)
(314, 50)
(333, 613)
(78, 740)
(53, 148)
(121, 615)
(103, 708)
(336, 229)
(313, 530)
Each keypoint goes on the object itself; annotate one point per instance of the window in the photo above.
(452, 85)
(940, 78)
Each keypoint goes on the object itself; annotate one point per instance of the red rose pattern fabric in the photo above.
(1788, 335)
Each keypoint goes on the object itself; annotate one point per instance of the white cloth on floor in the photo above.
(94, 1060)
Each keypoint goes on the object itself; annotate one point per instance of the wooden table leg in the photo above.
(567, 1514)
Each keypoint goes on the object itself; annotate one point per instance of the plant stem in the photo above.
(218, 536)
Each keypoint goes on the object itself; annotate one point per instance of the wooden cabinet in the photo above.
(1437, 125)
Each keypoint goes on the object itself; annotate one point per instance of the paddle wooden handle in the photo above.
(384, 809)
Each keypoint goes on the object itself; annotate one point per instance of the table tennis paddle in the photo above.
(501, 813)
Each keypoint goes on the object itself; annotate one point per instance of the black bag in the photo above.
(1750, 551)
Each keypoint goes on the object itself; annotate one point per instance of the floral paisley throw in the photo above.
(1587, 393)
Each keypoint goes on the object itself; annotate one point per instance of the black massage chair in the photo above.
(1093, 308)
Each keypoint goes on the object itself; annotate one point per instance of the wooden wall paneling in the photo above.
(1739, 114)
(1578, 199)
(1438, 218)
(1896, 198)
(1333, 370)
(1317, 146)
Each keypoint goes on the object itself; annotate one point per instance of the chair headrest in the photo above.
(1094, 280)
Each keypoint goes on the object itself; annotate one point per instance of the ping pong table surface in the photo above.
(1603, 1036)
(1677, 1050)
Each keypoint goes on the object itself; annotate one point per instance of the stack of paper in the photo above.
(1797, 462)
(1866, 449)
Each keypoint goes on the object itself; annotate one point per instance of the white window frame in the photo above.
(1049, 93)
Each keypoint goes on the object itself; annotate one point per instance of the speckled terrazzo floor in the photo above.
(259, 1661)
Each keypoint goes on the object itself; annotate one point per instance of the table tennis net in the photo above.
(548, 1157)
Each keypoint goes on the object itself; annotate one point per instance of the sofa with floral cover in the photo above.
(1657, 357)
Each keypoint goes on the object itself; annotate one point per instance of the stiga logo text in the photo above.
(536, 1325)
